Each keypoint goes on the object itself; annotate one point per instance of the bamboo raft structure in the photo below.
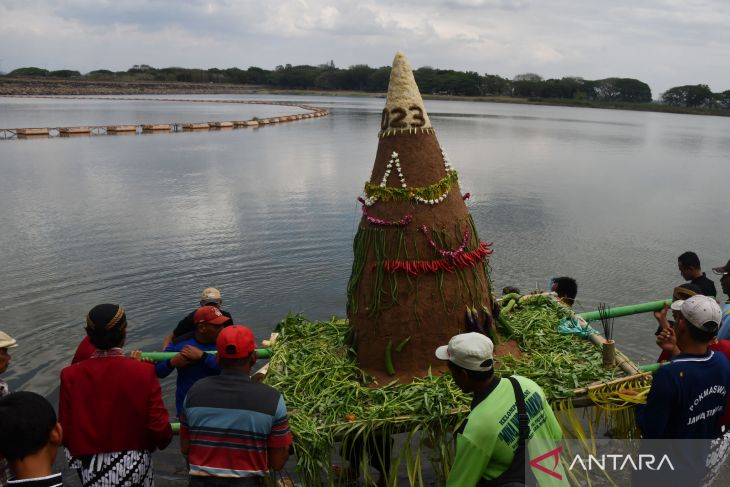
(441, 408)
(173, 127)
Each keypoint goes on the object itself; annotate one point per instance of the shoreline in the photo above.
(64, 87)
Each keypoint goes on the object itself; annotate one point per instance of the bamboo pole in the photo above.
(160, 356)
(631, 309)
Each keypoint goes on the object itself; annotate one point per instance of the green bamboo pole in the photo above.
(631, 309)
(651, 367)
(160, 356)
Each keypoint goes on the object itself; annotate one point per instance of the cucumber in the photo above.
(402, 344)
(509, 306)
(389, 358)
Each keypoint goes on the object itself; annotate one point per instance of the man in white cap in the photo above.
(689, 395)
(489, 445)
(209, 297)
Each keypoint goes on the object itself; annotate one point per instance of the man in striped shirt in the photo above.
(233, 430)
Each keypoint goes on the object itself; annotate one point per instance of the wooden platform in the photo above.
(120, 128)
(45, 132)
(196, 126)
(74, 131)
(33, 131)
(158, 127)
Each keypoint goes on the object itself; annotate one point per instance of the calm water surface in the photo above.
(268, 215)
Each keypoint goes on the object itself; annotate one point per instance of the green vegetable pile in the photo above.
(314, 368)
(329, 400)
(558, 363)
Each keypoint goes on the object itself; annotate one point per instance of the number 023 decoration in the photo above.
(394, 121)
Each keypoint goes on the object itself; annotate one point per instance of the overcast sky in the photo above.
(664, 43)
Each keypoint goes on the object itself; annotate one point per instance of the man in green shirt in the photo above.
(487, 442)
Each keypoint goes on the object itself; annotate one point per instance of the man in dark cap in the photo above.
(111, 409)
(192, 361)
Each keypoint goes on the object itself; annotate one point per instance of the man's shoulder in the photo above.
(182, 340)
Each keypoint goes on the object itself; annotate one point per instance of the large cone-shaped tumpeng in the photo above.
(418, 264)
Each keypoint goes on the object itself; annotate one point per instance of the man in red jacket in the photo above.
(111, 408)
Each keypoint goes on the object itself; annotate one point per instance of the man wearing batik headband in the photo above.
(489, 445)
(111, 409)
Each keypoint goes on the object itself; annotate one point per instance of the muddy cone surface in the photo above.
(418, 261)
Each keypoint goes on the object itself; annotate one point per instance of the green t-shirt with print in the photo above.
(488, 443)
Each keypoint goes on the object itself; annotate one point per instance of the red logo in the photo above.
(535, 462)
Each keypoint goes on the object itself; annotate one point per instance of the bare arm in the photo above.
(277, 457)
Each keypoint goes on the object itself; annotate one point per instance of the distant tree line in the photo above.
(361, 77)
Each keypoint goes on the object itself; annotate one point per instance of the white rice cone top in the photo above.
(403, 96)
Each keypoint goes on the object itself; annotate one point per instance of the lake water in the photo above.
(268, 215)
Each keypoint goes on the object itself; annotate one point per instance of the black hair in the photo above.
(26, 422)
(689, 260)
(700, 336)
(474, 375)
(510, 289)
(566, 287)
(234, 363)
(106, 325)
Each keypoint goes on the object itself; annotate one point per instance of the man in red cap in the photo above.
(209, 297)
(192, 362)
(233, 430)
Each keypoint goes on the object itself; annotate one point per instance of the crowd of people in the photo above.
(234, 431)
(111, 415)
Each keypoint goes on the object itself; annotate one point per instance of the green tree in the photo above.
(29, 71)
(691, 96)
(379, 79)
(64, 73)
(492, 84)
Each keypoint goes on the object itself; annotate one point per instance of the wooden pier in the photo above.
(157, 128)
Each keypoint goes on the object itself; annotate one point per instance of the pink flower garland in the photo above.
(446, 253)
(379, 221)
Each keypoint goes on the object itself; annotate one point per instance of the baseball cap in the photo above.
(235, 341)
(703, 312)
(472, 351)
(209, 314)
(210, 295)
(722, 270)
(6, 341)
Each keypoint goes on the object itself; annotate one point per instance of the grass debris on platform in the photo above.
(331, 400)
(558, 363)
(328, 400)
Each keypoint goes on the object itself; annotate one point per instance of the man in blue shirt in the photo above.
(725, 284)
(687, 397)
(192, 362)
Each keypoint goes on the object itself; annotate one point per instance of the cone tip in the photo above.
(404, 98)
